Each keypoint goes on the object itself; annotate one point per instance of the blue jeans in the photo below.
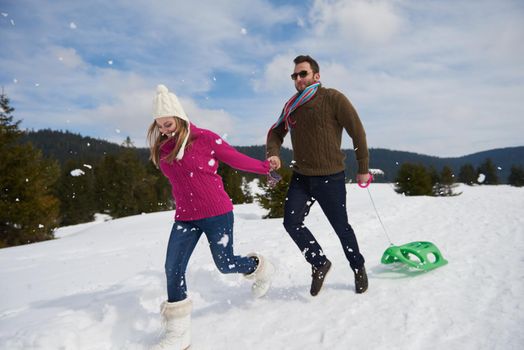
(182, 242)
(330, 192)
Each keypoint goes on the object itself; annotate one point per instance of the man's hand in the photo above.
(363, 179)
(274, 162)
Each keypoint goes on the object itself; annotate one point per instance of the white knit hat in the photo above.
(166, 104)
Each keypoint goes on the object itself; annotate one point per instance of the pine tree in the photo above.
(274, 199)
(413, 180)
(28, 210)
(467, 174)
(516, 177)
(123, 187)
(235, 185)
(162, 188)
(446, 183)
(489, 171)
(75, 190)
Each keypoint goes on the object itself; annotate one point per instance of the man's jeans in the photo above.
(330, 192)
(182, 242)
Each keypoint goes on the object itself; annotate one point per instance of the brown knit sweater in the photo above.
(316, 135)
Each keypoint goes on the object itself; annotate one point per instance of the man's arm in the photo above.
(348, 117)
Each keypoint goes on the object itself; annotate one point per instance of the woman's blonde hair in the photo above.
(156, 139)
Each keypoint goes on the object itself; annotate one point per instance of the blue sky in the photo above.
(444, 78)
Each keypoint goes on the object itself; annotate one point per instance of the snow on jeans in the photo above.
(182, 241)
(330, 193)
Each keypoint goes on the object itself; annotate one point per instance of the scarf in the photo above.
(294, 102)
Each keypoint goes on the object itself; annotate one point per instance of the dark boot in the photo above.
(361, 280)
(318, 275)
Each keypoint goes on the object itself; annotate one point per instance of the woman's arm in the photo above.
(229, 155)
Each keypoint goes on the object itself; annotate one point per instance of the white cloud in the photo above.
(68, 56)
(365, 22)
(276, 76)
(419, 73)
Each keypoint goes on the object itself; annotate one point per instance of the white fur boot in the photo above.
(177, 320)
(261, 276)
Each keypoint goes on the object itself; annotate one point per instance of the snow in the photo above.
(77, 172)
(376, 171)
(224, 240)
(100, 285)
(481, 178)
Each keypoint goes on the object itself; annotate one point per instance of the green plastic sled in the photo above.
(419, 255)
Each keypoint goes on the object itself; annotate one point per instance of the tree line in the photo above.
(39, 193)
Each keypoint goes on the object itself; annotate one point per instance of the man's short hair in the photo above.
(310, 60)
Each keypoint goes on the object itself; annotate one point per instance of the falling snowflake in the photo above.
(88, 166)
(72, 25)
(376, 171)
(481, 178)
(224, 240)
(243, 31)
(77, 172)
(110, 62)
(218, 141)
(211, 162)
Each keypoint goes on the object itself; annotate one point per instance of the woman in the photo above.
(188, 156)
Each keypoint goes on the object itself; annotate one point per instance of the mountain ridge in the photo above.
(65, 145)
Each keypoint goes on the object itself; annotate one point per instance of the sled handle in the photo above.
(367, 183)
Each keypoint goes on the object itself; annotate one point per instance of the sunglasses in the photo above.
(302, 74)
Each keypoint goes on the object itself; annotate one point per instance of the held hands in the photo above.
(274, 162)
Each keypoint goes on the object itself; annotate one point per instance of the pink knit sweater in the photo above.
(197, 188)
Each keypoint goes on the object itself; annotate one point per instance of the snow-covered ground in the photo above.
(99, 286)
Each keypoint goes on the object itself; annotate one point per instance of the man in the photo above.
(315, 117)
